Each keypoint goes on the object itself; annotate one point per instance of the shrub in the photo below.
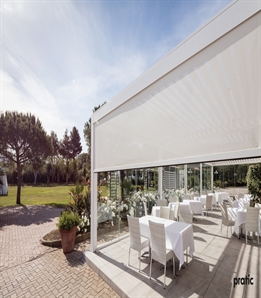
(68, 220)
(80, 203)
(254, 181)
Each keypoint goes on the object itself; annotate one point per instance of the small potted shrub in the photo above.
(67, 224)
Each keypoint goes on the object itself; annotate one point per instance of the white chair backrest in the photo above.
(172, 199)
(187, 197)
(240, 195)
(209, 202)
(145, 208)
(224, 213)
(164, 212)
(134, 229)
(252, 216)
(176, 210)
(186, 216)
(230, 201)
(158, 241)
(162, 202)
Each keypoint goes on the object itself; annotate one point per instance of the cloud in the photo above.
(62, 58)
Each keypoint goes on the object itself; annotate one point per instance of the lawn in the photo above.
(41, 195)
(37, 195)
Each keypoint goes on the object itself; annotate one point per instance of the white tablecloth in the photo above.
(179, 235)
(156, 212)
(203, 199)
(195, 206)
(221, 196)
(182, 206)
(239, 215)
(241, 204)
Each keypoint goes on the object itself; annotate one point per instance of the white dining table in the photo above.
(182, 206)
(203, 199)
(156, 212)
(221, 196)
(241, 204)
(239, 214)
(195, 206)
(179, 235)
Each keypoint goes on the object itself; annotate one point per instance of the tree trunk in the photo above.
(67, 171)
(35, 177)
(19, 181)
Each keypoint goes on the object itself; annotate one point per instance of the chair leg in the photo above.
(150, 265)
(139, 260)
(246, 236)
(129, 257)
(174, 267)
(165, 274)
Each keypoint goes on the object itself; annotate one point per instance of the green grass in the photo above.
(37, 195)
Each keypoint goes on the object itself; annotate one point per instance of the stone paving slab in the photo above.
(30, 269)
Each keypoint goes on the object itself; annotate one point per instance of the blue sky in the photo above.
(60, 59)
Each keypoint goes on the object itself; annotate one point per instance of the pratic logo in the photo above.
(247, 280)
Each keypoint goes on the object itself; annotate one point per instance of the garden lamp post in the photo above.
(215, 174)
(189, 172)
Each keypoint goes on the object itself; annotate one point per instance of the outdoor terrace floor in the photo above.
(217, 260)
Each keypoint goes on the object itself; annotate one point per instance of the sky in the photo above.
(60, 59)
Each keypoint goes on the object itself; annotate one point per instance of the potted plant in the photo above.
(254, 183)
(67, 224)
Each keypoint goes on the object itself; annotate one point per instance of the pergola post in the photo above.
(200, 178)
(186, 178)
(160, 171)
(212, 177)
(94, 182)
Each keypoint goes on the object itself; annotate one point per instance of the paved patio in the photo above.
(217, 261)
(30, 269)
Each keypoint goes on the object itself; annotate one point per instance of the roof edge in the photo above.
(227, 19)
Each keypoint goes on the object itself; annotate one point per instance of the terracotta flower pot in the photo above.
(68, 239)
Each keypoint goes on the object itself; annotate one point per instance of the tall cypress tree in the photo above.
(70, 147)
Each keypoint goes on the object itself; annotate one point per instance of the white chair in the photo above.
(173, 199)
(187, 197)
(240, 195)
(186, 216)
(230, 201)
(164, 212)
(176, 211)
(208, 204)
(162, 202)
(159, 252)
(252, 221)
(145, 208)
(226, 221)
(137, 242)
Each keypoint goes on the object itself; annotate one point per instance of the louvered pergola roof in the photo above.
(200, 103)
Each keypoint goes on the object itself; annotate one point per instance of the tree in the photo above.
(254, 181)
(75, 143)
(70, 147)
(1, 175)
(54, 152)
(87, 135)
(22, 138)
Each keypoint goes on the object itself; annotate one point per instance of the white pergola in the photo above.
(199, 104)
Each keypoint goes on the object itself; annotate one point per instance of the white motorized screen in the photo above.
(205, 109)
